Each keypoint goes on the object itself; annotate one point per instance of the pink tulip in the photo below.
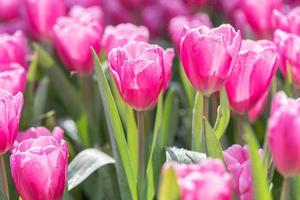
(283, 134)
(259, 13)
(209, 55)
(289, 23)
(10, 114)
(12, 78)
(121, 34)
(73, 37)
(41, 16)
(239, 165)
(289, 49)
(9, 9)
(177, 25)
(150, 19)
(83, 3)
(195, 2)
(171, 10)
(116, 13)
(207, 180)
(39, 164)
(256, 111)
(12, 26)
(93, 12)
(252, 75)
(141, 71)
(13, 48)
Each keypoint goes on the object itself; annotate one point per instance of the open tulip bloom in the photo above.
(149, 99)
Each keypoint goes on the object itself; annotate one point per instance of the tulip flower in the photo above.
(207, 180)
(259, 14)
(10, 27)
(238, 164)
(73, 37)
(12, 78)
(41, 16)
(10, 114)
(13, 48)
(39, 164)
(171, 10)
(121, 34)
(209, 55)
(252, 75)
(288, 46)
(93, 12)
(83, 3)
(9, 9)
(116, 13)
(256, 111)
(141, 71)
(289, 23)
(195, 2)
(283, 134)
(177, 25)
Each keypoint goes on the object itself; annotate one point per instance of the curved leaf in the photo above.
(184, 156)
(169, 188)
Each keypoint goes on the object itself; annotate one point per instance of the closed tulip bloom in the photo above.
(39, 164)
(209, 55)
(288, 46)
(259, 14)
(94, 12)
(177, 25)
(283, 134)
(9, 9)
(13, 48)
(73, 37)
(196, 181)
(10, 114)
(41, 16)
(12, 78)
(83, 3)
(252, 75)
(289, 23)
(141, 71)
(256, 111)
(238, 164)
(118, 36)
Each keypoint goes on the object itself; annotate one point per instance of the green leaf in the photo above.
(259, 175)
(212, 144)
(127, 177)
(63, 87)
(169, 188)
(132, 137)
(197, 122)
(223, 115)
(184, 156)
(188, 88)
(170, 117)
(40, 100)
(84, 164)
(295, 185)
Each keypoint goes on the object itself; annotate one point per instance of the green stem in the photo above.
(197, 122)
(206, 107)
(141, 152)
(285, 189)
(3, 176)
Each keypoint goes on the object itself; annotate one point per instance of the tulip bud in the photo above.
(238, 164)
(13, 48)
(141, 71)
(41, 16)
(283, 134)
(178, 23)
(73, 37)
(9, 9)
(10, 114)
(94, 13)
(12, 78)
(288, 46)
(209, 55)
(121, 34)
(289, 23)
(252, 75)
(39, 164)
(196, 181)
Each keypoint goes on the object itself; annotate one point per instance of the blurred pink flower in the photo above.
(12, 26)
(256, 111)
(195, 2)
(118, 36)
(289, 23)
(94, 12)
(9, 9)
(39, 164)
(10, 114)
(13, 48)
(252, 75)
(209, 55)
(283, 134)
(83, 3)
(73, 37)
(177, 25)
(41, 16)
(141, 71)
(196, 181)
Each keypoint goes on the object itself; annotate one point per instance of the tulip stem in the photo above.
(197, 122)
(3, 176)
(285, 189)
(206, 107)
(140, 122)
